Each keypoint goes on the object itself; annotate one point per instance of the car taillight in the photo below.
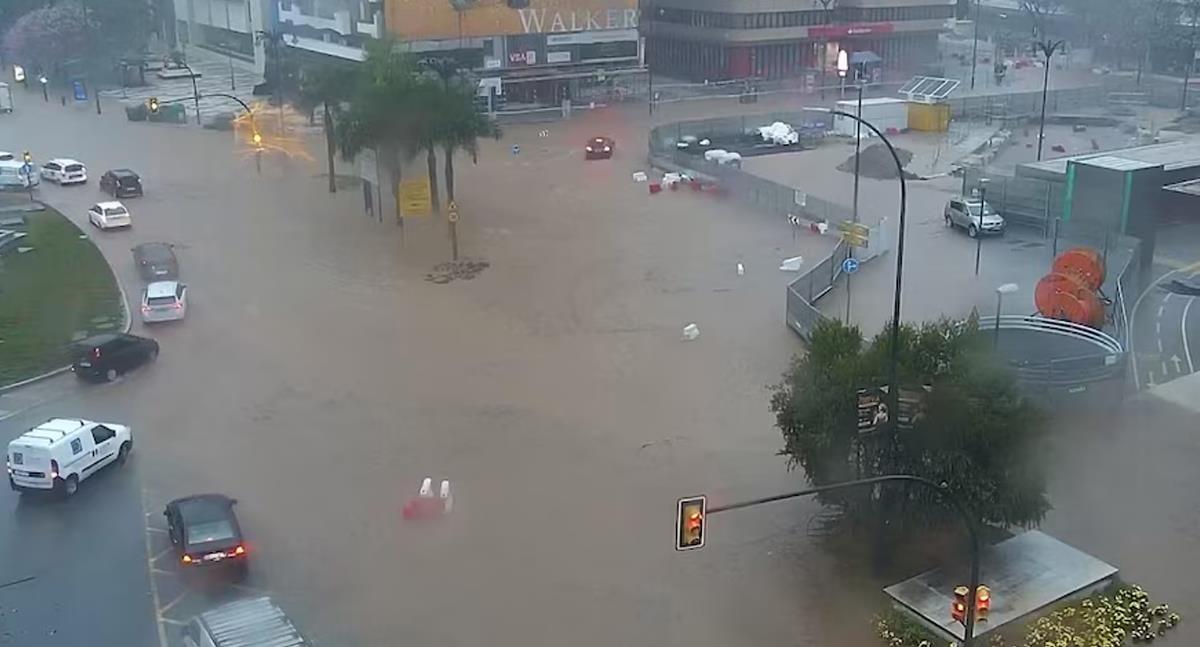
(240, 550)
(178, 305)
(187, 559)
(145, 308)
(53, 469)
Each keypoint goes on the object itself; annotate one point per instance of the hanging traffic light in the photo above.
(27, 157)
(689, 523)
(983, 603)
(958, 608)
(257, 138)
(152, 104)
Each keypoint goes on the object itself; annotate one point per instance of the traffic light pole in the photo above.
(959, 506)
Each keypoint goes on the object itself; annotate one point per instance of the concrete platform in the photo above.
(1025, 573)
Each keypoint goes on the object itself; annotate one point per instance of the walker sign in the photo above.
(541, 21)
(439, 19)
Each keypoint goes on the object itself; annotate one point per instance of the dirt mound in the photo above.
(456, 270)
(876, 162)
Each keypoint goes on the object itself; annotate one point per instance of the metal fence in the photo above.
(804, 292)
(1019, 107)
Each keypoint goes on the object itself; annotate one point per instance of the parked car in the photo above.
(205, 531)
(121, 183)
(6, 156)
(109, 355)
(109, 215)
(965, 213)
(156, 261)
(60, 453)
(65, 171)
(229, 625)
(164, 301)
(599, 148)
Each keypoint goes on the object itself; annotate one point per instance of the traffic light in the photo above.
(27, 157)
(257, 138)
(152, 104)
(689, 523)
(983, 603)
(958, 608)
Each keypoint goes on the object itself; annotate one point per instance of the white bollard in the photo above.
(447, 498)
(426, 490)
(741, 269)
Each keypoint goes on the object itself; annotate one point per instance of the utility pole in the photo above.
(975, 46)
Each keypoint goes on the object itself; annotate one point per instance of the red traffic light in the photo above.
(958, 608)
(983, 603)
(689, 523)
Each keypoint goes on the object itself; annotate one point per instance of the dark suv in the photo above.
(121, 183)
(107, 356)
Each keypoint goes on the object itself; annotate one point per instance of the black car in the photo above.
(205, 532)
(106, 356)
(121, 183)
(599, 148)
(156, 261)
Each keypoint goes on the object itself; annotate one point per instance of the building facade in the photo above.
(224, 25)
(733, 39)
(539, 51)
(336, 28)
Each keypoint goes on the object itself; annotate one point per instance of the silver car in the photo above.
(965, 212)
(164, 301)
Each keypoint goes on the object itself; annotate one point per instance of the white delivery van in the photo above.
(12, 176)
(62, 452)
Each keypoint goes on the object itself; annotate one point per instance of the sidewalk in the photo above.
(216, 74)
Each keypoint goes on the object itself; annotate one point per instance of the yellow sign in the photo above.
(854, 240)
(854, 228)
(434, 19)
(414, 198)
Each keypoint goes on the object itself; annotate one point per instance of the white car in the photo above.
(65, 171)
(109, 215)
(164, 301)
(61, 453)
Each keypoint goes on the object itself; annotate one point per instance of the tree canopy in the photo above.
(50, 36)
(976, 432)
(47, 37)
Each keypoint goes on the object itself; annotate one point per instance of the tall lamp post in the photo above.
(894, 359)
(843, 67)
(983, 182)
(1047, 48)
(975, 45)
(1007, 288)
(1194, 8)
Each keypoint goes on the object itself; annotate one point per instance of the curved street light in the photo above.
(195, 90)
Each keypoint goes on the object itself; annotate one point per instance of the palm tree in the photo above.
(326, 86)
(462, 125)
(382, 114)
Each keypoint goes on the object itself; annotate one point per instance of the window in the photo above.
(101, 434)
(218, 530)
(161, 301)
(50, 166)
(76, 446)
(74, 168)
(116, 211)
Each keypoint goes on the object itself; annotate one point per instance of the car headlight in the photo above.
(607, 149)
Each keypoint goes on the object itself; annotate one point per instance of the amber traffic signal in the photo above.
(27, 157)
(689, 523)
(152, 104)
(983, 603)
(257, 138)
(958, 608)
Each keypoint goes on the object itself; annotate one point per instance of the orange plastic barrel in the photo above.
(1083, 263)
(1064, 296)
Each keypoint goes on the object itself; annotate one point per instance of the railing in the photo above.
(804, 292)
(1107, 363)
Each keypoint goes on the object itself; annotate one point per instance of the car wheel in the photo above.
(949, 222)
(70, 486)
(123, 453)
(972, 231)
(111, 375)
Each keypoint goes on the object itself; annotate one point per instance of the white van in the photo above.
(243, 623)
(11, 176)
(59, 453)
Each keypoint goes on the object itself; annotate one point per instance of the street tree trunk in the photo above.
(431, 163)
(330, 145)
(449, 153)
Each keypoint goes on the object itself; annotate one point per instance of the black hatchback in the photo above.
(107, 356)
(156, 261)
(205, 532)
(121, 183)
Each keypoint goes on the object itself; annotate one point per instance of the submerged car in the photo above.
(205, 532)
(599, 148)
(156, 261)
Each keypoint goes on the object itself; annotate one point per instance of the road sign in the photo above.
(415, 198)
(850, 265)
(27, 169)
(854, 240)
(79, 90)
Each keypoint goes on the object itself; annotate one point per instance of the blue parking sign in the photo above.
(79, 90)
(850, 265)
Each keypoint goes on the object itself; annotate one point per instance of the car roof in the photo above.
(123, 171)
(111, 204)
(153, 246)
(204, 506)
(250, 623)
(66, 160)
(98, 340)
(601, 138)
(50, 432)
(162, 289)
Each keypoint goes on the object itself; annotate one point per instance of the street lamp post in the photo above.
(195, 89)
(1007, 288)
(894, 359)
(1047, 48)
(1187, 68)
(983, 182)
(45, 93)
(843, 66)
(975, 46)
(943, 490)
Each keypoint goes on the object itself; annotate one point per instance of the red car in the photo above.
(599, 148)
